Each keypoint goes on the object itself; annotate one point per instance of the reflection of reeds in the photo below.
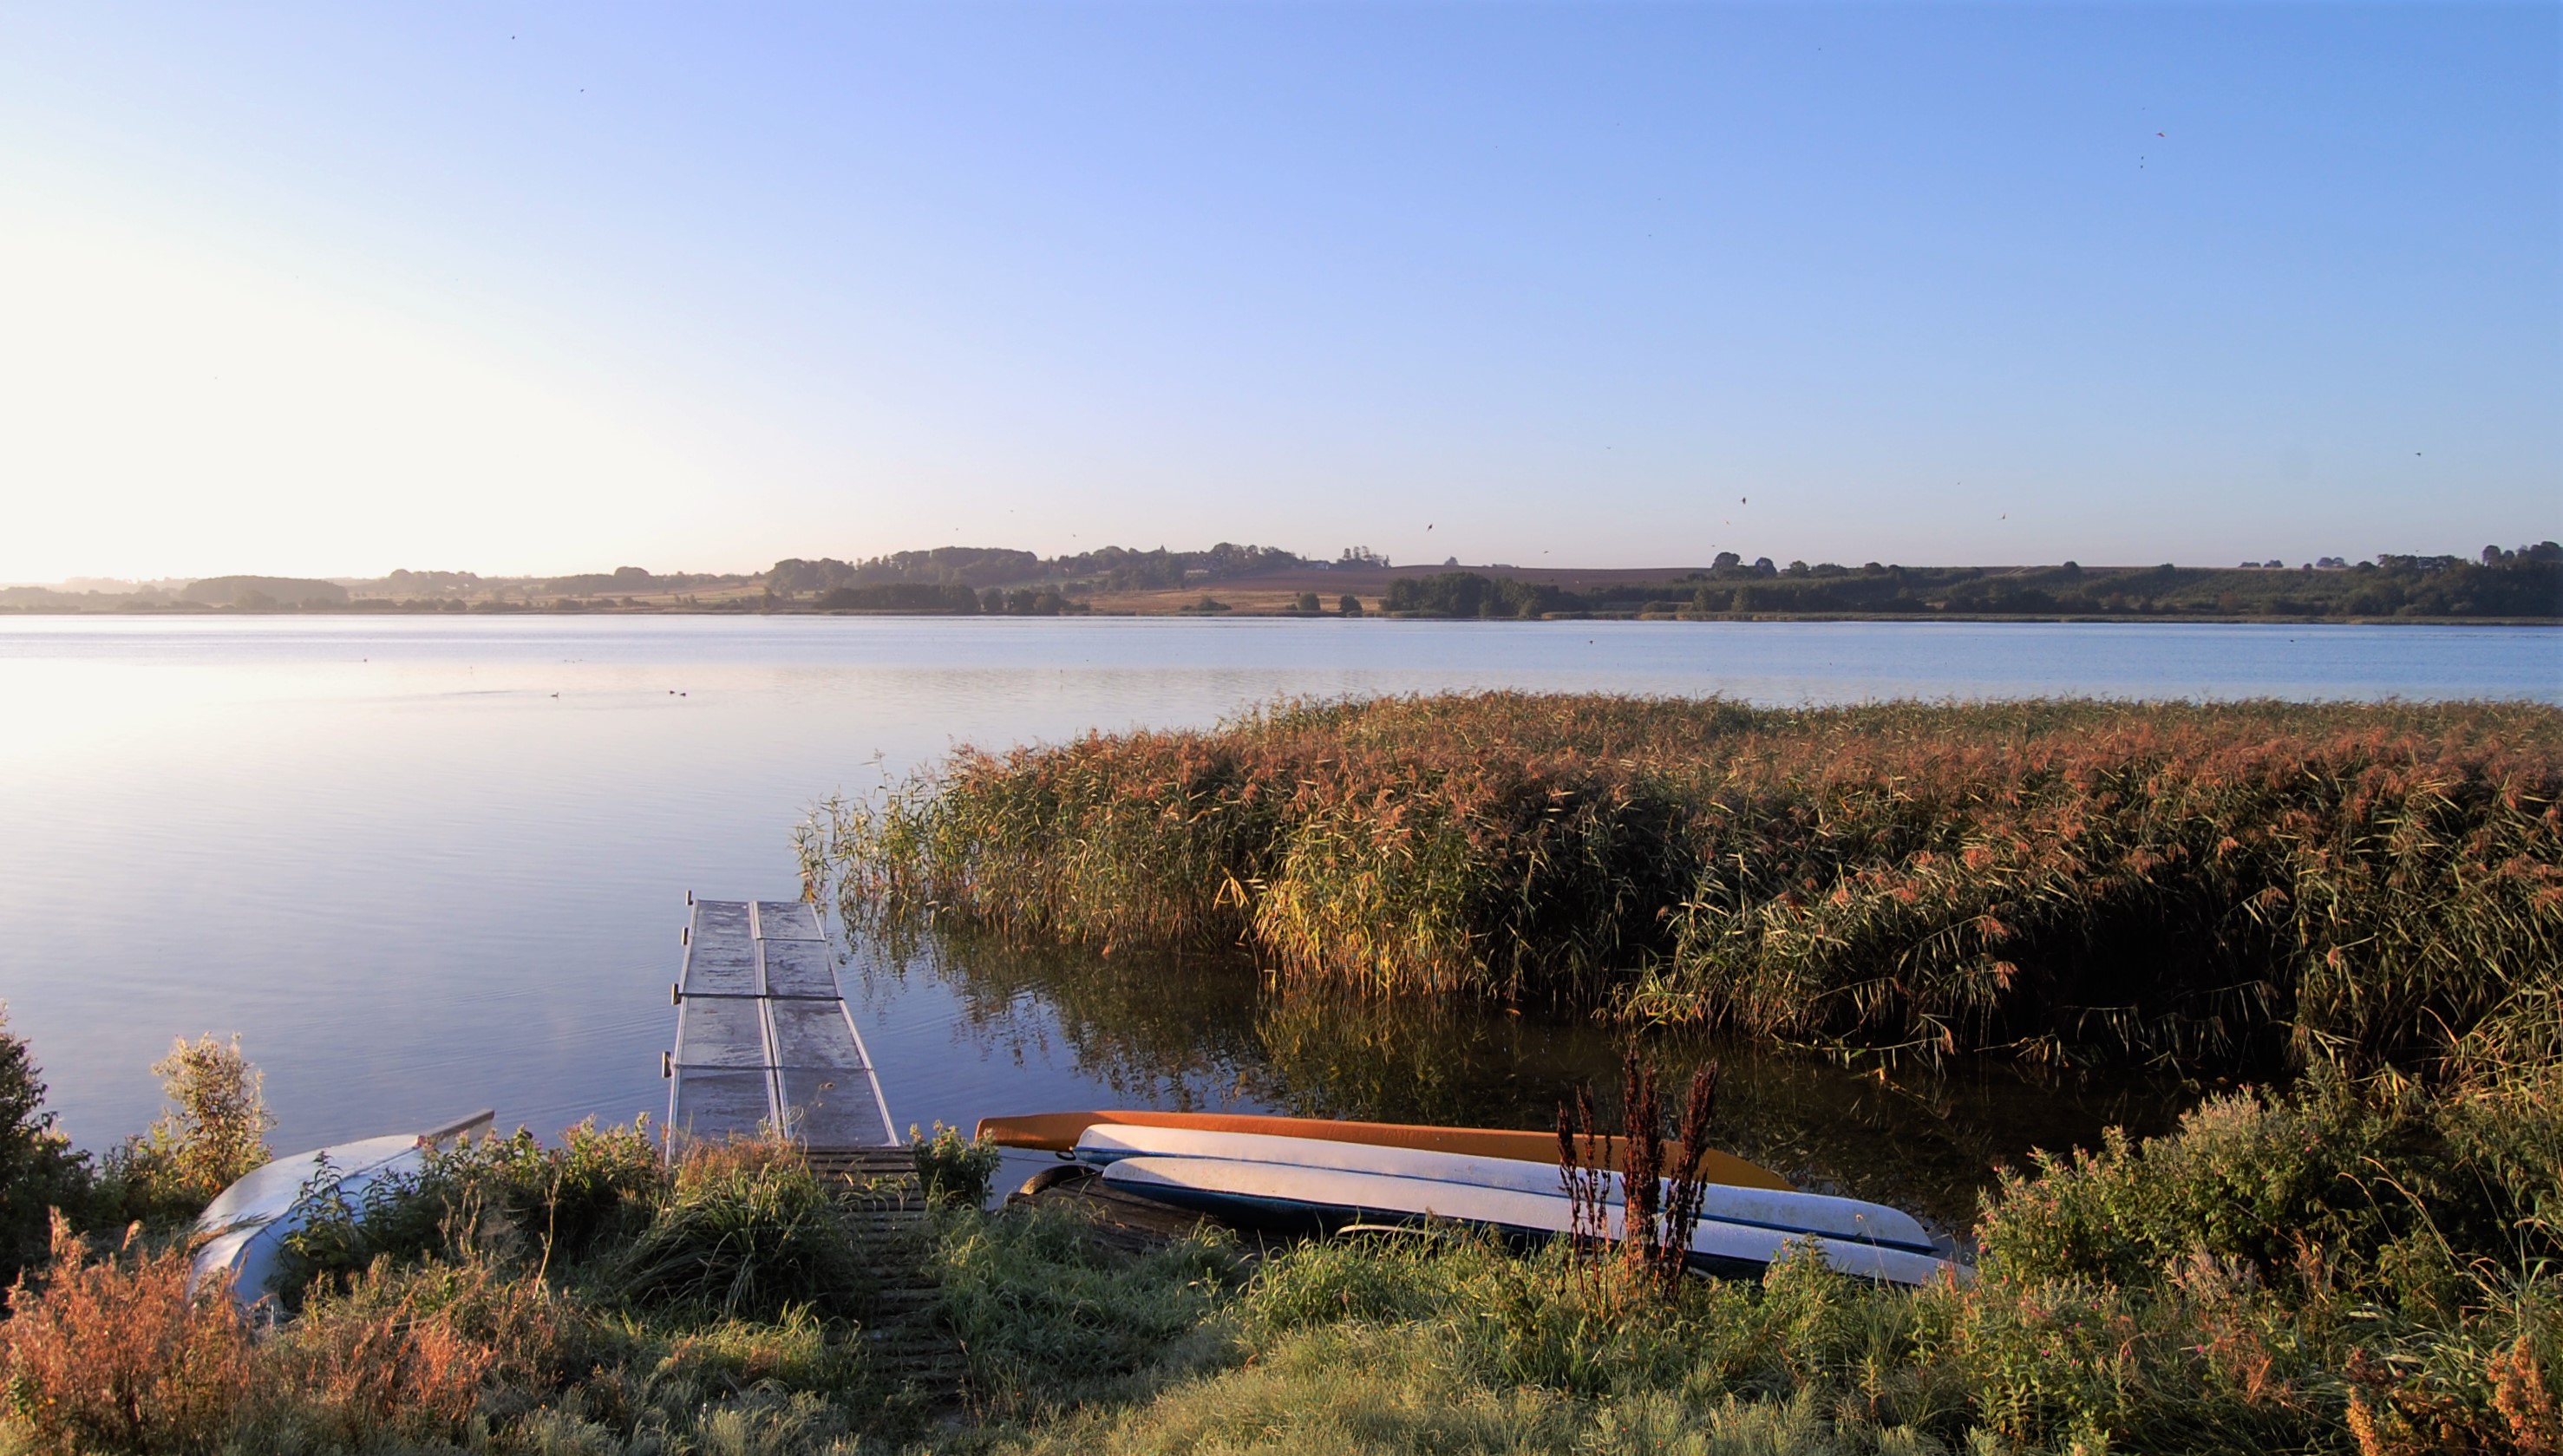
(1207, 1033)
(1164, 1031)
(2228, 884)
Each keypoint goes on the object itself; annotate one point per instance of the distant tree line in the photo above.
(2521, 582)
(944, 566)
(2512, 582)
(1106, 568)
(953, 599)
(264, 594)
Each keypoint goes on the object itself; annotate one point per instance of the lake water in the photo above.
(426, 865)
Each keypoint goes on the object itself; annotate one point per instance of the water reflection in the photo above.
(1214, 1032)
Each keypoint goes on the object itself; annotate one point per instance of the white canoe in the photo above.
(1277, 1194)
(1788, 1212)
(246, 1227)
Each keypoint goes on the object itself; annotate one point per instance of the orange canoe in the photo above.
(1057, 1132)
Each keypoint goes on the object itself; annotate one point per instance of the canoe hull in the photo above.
(1272, 1195)
(1057, 1132)
(1789, 1212)
(245, 1229)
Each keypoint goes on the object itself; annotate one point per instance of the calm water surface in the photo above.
(424, 865)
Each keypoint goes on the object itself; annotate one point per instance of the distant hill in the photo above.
(258, 591)
(1110, 568)
(2518, 583)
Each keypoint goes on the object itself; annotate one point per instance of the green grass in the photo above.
(2235, 886)
(2349, 1266)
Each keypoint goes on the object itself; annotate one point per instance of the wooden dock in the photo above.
(765, 1042)
(764, 1047)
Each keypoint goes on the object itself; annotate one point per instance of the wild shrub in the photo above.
(120, 1353)
(500, 1194)
(562, 1200)
(954, 1169)
(2285, 1263)
(2370, 1180)
(213, 1132)
(40, 1170)
(382, 1358)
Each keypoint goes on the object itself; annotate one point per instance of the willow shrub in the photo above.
(2228, 884)
(212, 1132)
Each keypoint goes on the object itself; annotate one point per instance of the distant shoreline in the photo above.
(2522, 587)
(2173, 619)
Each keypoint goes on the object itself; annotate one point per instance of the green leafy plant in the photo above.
(953, 1168)
(213, 1133)
(40, 1170)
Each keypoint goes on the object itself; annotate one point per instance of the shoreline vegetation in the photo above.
(2238, 887)
(2349, 1266)
(2522, 585)
(2360, 904)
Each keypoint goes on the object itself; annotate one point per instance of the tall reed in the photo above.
(2225, 885)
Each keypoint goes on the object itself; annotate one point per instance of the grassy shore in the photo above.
(2231, 886)
(2347, 1267)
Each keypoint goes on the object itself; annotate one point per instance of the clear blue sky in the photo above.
(338, 288)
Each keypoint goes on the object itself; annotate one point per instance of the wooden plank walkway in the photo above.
(765, 1042)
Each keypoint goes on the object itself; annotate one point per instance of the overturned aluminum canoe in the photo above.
(1786, 1212)
(1282, 1195)
(1057, 1132)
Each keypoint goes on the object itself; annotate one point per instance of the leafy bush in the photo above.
(506, 1194)
(213, 1133)
(954, 1169)
(39, 1169)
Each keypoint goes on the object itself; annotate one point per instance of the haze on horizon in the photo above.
(328, 291)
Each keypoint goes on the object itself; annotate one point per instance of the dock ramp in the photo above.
(764, 1041)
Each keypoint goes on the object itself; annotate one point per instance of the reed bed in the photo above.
(2218, 885)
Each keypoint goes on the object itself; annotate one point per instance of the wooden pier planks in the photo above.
(764, 1041)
